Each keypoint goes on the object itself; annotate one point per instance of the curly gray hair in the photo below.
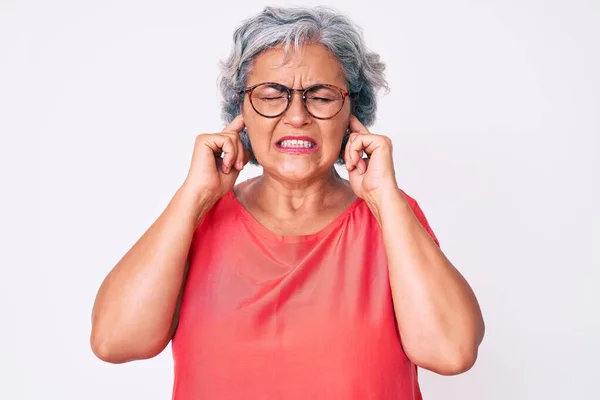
(364, 72)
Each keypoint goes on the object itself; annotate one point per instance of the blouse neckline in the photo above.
(266, 233)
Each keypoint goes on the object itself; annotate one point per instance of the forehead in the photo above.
(311, 64)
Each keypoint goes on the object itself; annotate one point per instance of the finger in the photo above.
(236, 125)
(362, 165)
(238, 160)
(239, 163)
(369, 143)
(350, 165)
(364, 143)
(229, 153)
(357, 147)
(356, 126)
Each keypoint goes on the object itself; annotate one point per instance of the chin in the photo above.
(297, 170)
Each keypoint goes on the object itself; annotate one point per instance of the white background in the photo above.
(494, 113)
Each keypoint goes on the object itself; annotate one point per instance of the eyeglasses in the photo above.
(271, 99)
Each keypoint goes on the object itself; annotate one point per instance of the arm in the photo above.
(438, 316)
(135, 312)
(440, 321)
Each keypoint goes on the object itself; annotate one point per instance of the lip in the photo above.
(297, 150)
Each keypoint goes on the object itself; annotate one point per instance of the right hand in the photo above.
(209, 174)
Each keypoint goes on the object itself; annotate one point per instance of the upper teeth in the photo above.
(296, 143)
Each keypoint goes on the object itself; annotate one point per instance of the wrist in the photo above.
(200, 201)
(384, 201)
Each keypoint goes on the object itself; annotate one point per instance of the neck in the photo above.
(283, 198)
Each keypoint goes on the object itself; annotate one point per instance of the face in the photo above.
(296, 146)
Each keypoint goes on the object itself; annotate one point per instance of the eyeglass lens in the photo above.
(272, 100)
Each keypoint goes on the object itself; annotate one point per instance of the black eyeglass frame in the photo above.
(343, 92)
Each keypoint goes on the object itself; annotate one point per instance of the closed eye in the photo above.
(272, 98)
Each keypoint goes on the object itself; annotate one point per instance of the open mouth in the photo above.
(296, 144)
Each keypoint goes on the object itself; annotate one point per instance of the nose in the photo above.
(296, 115)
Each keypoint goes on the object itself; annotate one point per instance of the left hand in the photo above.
(371, 177)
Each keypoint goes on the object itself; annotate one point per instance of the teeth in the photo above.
(296, 143)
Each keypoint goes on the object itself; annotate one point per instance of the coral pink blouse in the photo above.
(265, 316)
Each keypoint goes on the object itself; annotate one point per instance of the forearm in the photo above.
(134, 308)
(440, 321)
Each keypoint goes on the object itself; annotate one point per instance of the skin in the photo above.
(136, 310)
(442, 325)
(306, 190)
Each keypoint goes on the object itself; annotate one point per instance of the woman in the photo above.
(298, 283)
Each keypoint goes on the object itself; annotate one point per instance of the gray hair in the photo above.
(273, 27)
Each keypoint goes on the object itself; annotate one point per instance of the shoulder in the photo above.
(414, 205)
(410, 200)
(223, 213)
(225, 206)
(420, 215)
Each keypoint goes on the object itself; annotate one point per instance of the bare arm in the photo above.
(439, 318)
(440, 321)
(134, 315)
(136, 310)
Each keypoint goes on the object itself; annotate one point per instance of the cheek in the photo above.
(334, 133)
(259, 129)
(260, 132)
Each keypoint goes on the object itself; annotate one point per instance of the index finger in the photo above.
(236, 125)
(356, 126)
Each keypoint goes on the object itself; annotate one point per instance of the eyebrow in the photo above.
(303, 88)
